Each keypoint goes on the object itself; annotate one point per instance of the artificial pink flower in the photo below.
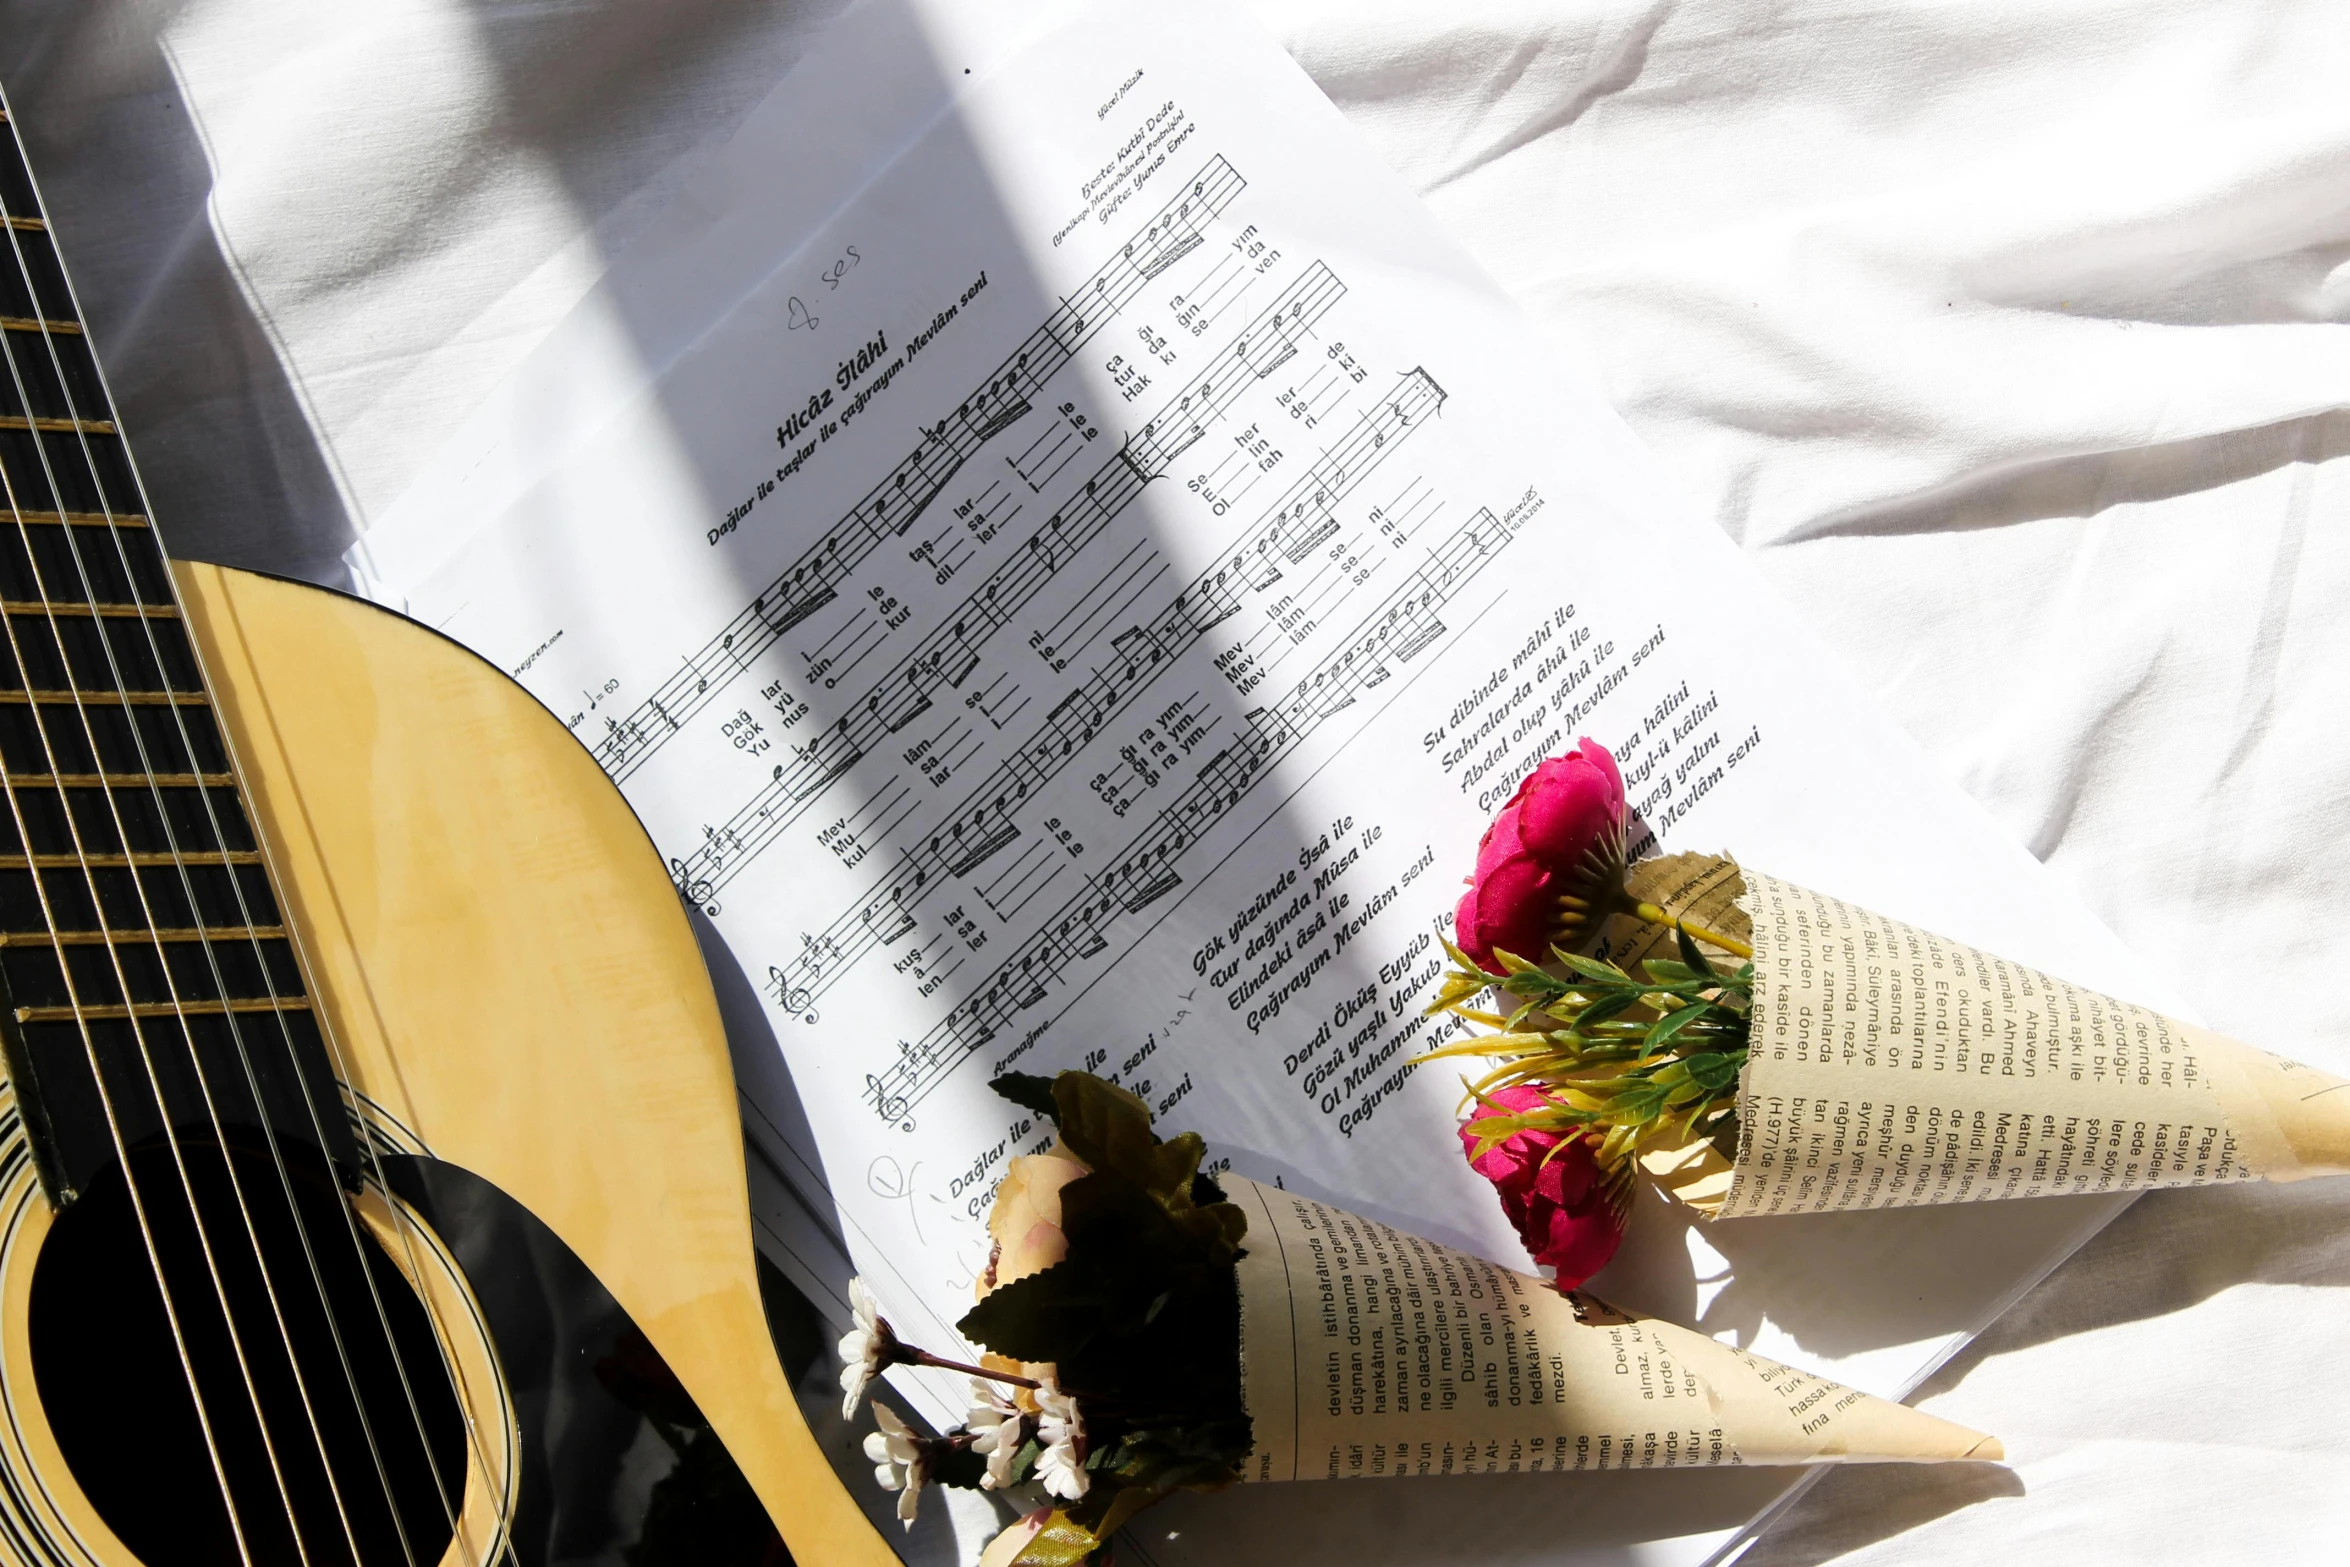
(1563, 1207)
(1553, 839)
(1025, 1222)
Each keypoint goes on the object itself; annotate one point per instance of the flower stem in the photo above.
(923, 1357)
(1656, 916)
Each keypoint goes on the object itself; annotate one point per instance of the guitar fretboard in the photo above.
(149, 979)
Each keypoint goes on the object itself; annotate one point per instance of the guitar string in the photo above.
(177, 1002)
(9, 784)
(404, 1221)
(244, 1054)
(278, 1011)
(196, 1056)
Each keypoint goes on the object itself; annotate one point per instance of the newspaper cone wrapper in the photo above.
(1893, 1068)
(1368, 1351)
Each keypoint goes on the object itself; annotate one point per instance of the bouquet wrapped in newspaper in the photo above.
(1755, 1047)
(1150, 1329)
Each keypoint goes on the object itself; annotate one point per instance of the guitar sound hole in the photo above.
(362, 1478)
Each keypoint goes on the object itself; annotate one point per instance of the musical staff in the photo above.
(983, 822)
(949, 653)
(892, 505)
(1406, 622)
(1308, 513)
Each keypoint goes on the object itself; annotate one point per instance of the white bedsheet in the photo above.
(2011, 337)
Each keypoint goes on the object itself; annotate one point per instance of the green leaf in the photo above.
(1690, 955)
(1592, 968)
(1174, 1163)
(1127, 1246)
(1606, 1007)
(1231, 1222)
(1666, 972)
(1062, 1542)
(1539, 983)
(1715, 1070)
(1636, 1105)
(1046, 1314)
(1661, 1032)
(1030, 1092)
(1107, 1127)
(1684, 1094)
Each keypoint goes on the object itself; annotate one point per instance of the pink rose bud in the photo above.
(1559, 837)
(1562, 1207)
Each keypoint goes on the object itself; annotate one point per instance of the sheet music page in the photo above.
(1081, 610)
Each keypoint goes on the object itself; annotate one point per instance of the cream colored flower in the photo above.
(863, 1349)
(899, 1460)
(1060, 1468)
(998, 1431)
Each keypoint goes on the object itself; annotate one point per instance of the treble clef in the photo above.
(792, 998)
(694, 889)
(890, 1107)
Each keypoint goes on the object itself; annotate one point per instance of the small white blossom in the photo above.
(862, 1348)
(1060, 1468)
(899, 1460)
(998, 1431)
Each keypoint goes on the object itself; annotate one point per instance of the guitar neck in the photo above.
(147, 981)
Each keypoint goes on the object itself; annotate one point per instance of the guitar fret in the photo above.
(40, 324)
(72, 862)
(104, 698)
(142, 937)
(29, 225)
(158, 1009)
(58, 426)
(69, 611)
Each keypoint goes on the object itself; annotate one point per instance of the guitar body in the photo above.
(523, 1025)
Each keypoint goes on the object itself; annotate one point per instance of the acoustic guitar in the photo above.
(371, 1189)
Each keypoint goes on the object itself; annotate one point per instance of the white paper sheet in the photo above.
(1352, 558)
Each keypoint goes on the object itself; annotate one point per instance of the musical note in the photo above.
(893, 505)
(1136, 653)
(1145, 871)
